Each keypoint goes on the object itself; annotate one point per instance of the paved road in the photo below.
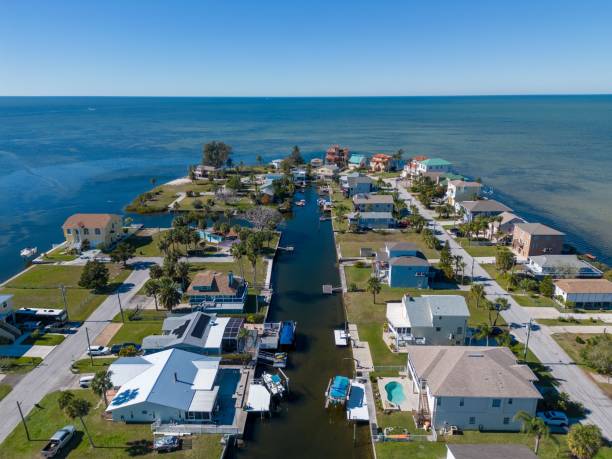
(570, 377)
(54, 373)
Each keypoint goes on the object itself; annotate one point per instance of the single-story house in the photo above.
(488, 451)
(172, 386)
(561, 266)
(433, 165)
(585, 293)
(357, 161)
(97, 229)
(212, 291)
(372, 202)
(460, 190)
(196, 332)
(428, 319)
(529, 239)
(471, 387)
(505, 224)
(371, 220)
(480, 208)
(202, 171)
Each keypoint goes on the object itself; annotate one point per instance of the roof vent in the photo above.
(475, 355)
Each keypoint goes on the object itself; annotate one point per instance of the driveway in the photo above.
(54, 372)
(570, 377)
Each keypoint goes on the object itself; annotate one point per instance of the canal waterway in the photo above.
(304, 428)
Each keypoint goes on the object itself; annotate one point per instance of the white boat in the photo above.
(28, 252)
(341, 337)
(357, 403)
(274, 384)
(301, 203)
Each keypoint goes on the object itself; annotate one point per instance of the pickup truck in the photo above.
(59, 439)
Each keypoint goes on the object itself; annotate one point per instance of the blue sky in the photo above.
(286, 48)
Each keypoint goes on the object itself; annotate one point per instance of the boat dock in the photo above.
(329, 289)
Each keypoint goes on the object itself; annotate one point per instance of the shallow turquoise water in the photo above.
(549, 157)
(395, 392)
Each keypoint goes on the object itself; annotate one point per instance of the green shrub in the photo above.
(579, 340)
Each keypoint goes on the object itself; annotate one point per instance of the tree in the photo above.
(94, 276)
(477, 293)
(65, 398)
(169, 295)
(101, 383)
(151, 288)
(547, 288)
(584, 440)
(156, 272)
(374, 287)
(122, 253)
(237, 251)
(534, 426)
(216, 154)
(259, 159)
(79, 408)
(296, 156)
(483, 331)
(182, 274)
(446, 259)
(234, 183)
(501, 304)
(263, 217)
(504, 260)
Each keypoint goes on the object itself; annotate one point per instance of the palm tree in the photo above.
(101, 383)
(169, 295)
(236, 251)
(477, 293)
(483, 332)
(79, 408)
(65, 398)
(532, 425)
(374, 286)
(151, 288)
(501, 304)
(156, 272)
(228, 213)
(182, 273)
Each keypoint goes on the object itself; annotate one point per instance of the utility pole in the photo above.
(63, 290)
(120, 307)
(25, 426)
(89, 346)
(472, 274)
(527, 342)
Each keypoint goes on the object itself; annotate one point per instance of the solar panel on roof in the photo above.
(200, 326)
(232, 328)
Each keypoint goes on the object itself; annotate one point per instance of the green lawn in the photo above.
(39, 287)
(350, 243)
(17, 365)
(411, 450)
(59, 254)
(477, 250)
(5, 389)
(562, 321)
(534, 300)
(99, 364)
(112, 440)
(133, 331)
(46, 339)
(163, 195)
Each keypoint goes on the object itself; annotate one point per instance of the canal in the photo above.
(303, 428)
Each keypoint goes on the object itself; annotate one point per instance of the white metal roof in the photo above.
(204, 400)
(215, 333)
(258, 399)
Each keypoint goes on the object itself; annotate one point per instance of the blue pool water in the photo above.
(395, 392)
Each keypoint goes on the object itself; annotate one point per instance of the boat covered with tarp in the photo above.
(337, 390)
(287, 333)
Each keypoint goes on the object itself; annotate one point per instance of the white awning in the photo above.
(204, 400)
(258, 400)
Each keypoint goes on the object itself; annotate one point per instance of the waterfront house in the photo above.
(371, 220)
(357, 161)
(202, 171)
(480, 208)
(400, 264)
(585, 293)
(488, 451)
(328, 172)
(196, 332)
(381, 162)
(98, 229)
(433, 165)
(337, 155)
(561, 266)
(503, 225)
(530, 239)
(460, 190)
(428, 319)
(276, 163)
(172, 386)
(357, 184)
(369, 202)
(8, 331)
(410, 168)
(471, 387)
(212, 291)
(316, 162)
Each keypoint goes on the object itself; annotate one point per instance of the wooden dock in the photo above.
(329, 289)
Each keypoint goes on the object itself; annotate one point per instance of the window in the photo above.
(144, 411)
(459, 330)
(439, 401)
(68, 231)
(97, 231)
(472, 420)
(506, 421)
(496, 403)
(461, 402)
(437, 329)
(85, 231)
(509, 401)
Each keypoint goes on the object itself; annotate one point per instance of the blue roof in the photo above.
(339, 387)
(356, 159)
(287, 333)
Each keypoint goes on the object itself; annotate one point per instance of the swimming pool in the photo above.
(395, 392)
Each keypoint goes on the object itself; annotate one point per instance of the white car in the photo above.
(554, 418)
(98, 350)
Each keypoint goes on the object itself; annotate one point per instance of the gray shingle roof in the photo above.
(408, 261)
(490, 451)
(485, 205)
(538, 229)
(373, 198)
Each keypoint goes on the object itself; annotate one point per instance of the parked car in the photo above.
(85, 381)
(59, 440)
(98, 350)
(166, 444)
(554, 418)
(116, 348)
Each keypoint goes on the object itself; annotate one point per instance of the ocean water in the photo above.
(548, 157)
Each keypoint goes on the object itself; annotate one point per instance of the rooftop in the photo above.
(584, 285)
(464, 184)
(473, 371)
(372, 198)
(88, 220)
(419, 311)
(356, 159)
(561, 261)
(408, 261)
(402, 246)
(216, 283)
(508, 217)
(436, 162)
(490, 451)
(538, 229)
(485, 205)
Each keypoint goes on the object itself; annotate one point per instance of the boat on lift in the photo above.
(274, 383)
(28, 252)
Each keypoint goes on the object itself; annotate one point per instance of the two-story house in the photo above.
(381, 162)
(357, 161)
(480, 208)
(370, 202)
(356, 183)
(400, 264)
(97, 229)
(460, 190)
(371, 220)
(433, 165)
(212, 291)
(428, 319)
(471, 387)
(530, 239)
(337, 155)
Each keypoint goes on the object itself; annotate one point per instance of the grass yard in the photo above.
(412, 450)
(534, 301)
(112, 440)
(134, 331)
(477, 250)
(46, 339)
(18, 365)
(162, 196)
(5, 389)
(350, 243)
(100, 363)
(59, 254)
(565, 322)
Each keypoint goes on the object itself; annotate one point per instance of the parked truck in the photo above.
(58, 441)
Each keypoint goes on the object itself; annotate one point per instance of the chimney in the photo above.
(230, 278)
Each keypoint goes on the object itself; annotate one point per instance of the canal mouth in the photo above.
(301, 426)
